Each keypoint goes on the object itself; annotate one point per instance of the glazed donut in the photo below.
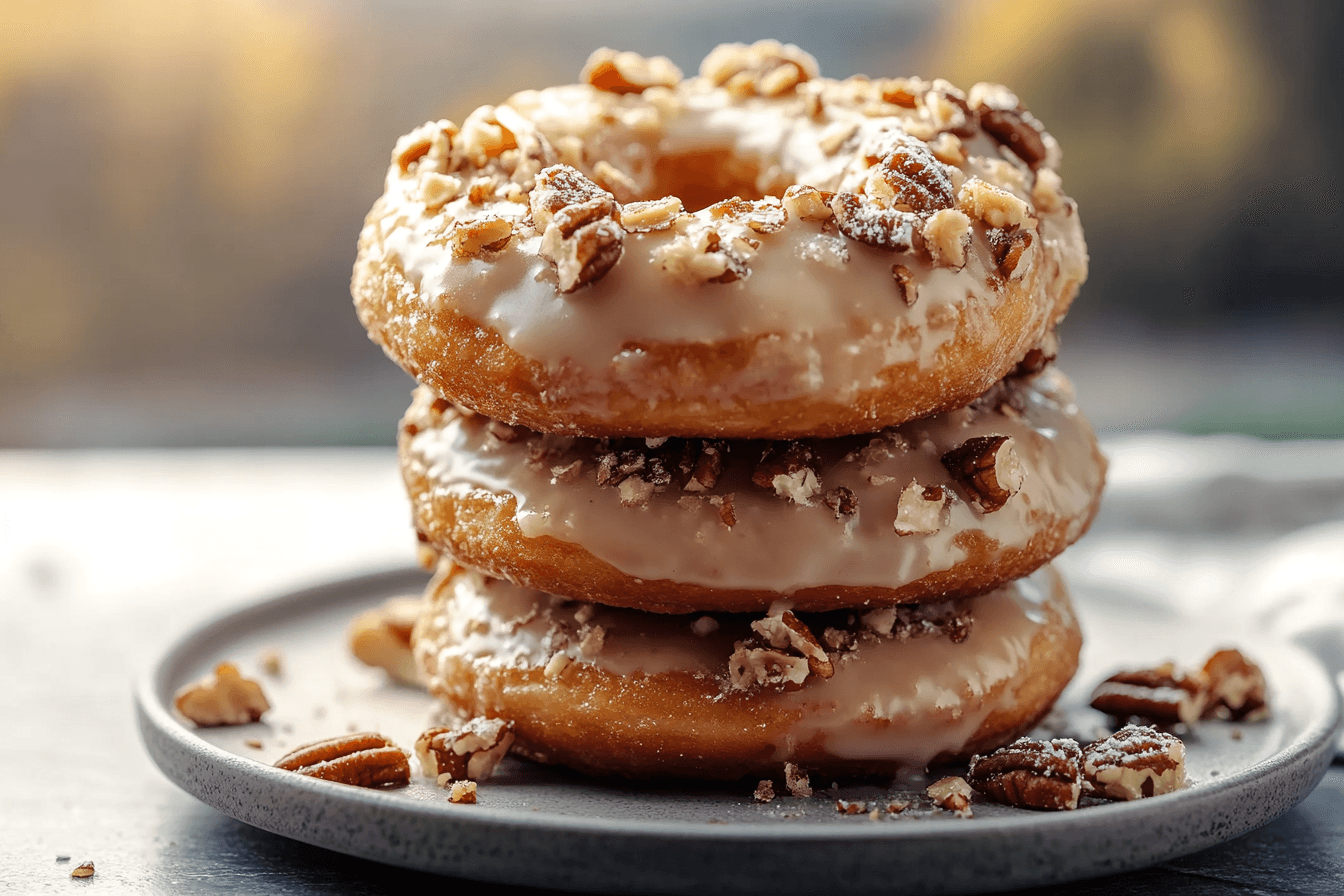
(756, 252)
(619, 692)
(679, 525)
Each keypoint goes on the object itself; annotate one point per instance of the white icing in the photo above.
(887, 699)
(781, 545)
(833, 325)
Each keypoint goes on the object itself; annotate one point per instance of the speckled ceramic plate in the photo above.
(542, 827)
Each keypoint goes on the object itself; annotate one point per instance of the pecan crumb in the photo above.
(1236, 687)
(842, 501)
(224, 698)
(469, 751)
(627, 72)
(767, 67)
(765, 792)
(791, 470)
(951, 793)
(272, 663)
(871, 224)
(797, 781)
(851, 807)
(919, 510)
(462, 792)
(381, 637)
(906, 287)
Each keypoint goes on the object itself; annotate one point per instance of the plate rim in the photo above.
(1300, 764)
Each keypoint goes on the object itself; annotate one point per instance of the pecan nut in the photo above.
(1137, 761)
(1161, 694)
(366, 759)
(381, 637)
(792, 470)
(951, 793)
(988, 470)
(1031, 774)
(224, 698)
(627, 72)
(465, 752)
(1236, 687)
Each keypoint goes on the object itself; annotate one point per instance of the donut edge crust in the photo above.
(467, 361)
(479, 530)
(678, 726)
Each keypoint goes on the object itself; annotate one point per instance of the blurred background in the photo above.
(181, 186)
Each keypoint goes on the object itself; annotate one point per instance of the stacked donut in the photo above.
(738, 434)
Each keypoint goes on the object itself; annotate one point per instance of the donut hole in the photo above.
(702, 177)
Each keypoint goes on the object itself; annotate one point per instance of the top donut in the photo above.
(756, 252)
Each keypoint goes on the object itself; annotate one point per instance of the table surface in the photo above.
(107, 557)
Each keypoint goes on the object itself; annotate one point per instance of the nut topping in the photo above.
(797, 781)
(988, 470)
(225, 698)
(1031, 774)
(919, 511)
(790, 469)
(82, 870)
(1135, 762)
(470, 238)
(767, 68)
(381, 637)
(628, 72)
(1236, 687)
(808, 203)
(947, 234)
(908, 178)
(646, 217)
(906, 287)
(842, 501)
(786, 630)
(366, 759)
(1010, 249)
(1161, 694)
(953, 794)
(765, 792)
(463, 792)
(869, 223)
(464, 752)
(1004, 119)
(580, 234)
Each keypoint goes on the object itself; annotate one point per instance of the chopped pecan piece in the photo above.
(583, 241)
(727, 512)
(1236, 687)
(752, 667)
(869, 223)
(808, 203)
(365, 759)
(1031, 774)
(1004, 119)
(224, 698)
(787, 631)
(953, 794)
(381, 637)
(906, 287)
(765, 792)
(706, 467)
(1135, 762)
(1010, 249)
(842, 501)
(919, 510)
(464, 752)
(791, 470)
(997, 207)
(767, 67)
(561, 186)
(84, 869)
(1039, 357)
(1161, 694)
(947, 234)
(908, 178)
(646, 217)
(988, 469)
(628, 72)
(462, 792)
(797, 781)
(488, 233)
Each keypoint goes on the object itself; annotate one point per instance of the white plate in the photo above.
(549, 828)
